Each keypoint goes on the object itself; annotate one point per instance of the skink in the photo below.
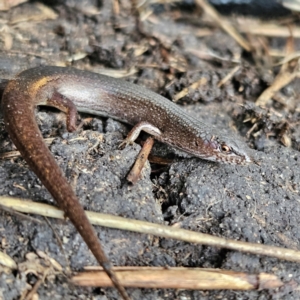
(70, 90)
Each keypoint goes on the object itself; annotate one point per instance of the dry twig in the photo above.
(111, 221)
(180, 278)
(211, 12)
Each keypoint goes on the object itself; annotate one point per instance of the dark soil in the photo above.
(259, 204)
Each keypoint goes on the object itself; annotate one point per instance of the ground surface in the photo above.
(252, 203)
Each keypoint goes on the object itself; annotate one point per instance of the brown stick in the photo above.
(140, 161)
(179, 278)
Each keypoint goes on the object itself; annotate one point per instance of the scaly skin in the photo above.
(70, 90)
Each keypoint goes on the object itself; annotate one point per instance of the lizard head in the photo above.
(227, 150)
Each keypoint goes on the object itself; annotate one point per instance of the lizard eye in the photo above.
(225, 149)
